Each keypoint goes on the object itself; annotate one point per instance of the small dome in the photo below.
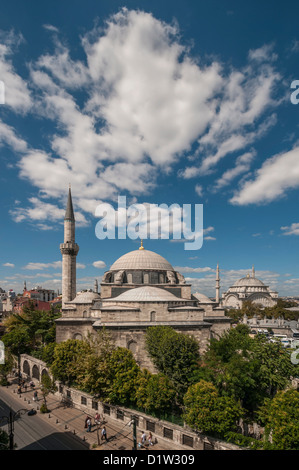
(146, 294)
(85, 298)
(141, 259)
(249, 282)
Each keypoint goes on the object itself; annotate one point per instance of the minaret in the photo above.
(96, 286)
(217, 284)
(69, 250)
(253, 272)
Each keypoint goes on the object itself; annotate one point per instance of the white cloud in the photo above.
(99, 264)
(242, 166)
(43, 211)
(40, 266)
(8, 265)
(277, 175)
(293, 229)
(199, 190)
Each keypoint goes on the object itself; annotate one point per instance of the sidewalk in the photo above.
(66, 419)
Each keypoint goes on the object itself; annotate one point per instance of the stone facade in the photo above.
(140, 290)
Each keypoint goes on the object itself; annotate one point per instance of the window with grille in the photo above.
(208, 446)
(106, 409)
(187, 440)
(168, 433)
(120, 414)
(94, 405)
(150, 426)
(83, 401)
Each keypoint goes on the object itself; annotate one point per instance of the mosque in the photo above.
(140, 290)
(249, 288)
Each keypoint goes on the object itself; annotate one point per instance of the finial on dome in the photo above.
(248, 275)
(141, 245)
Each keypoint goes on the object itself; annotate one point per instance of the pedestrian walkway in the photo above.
(70, 419)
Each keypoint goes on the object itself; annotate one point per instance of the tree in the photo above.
(247, 369)
(68, 357)
(208, 412)
(6, 368)
(155, 393)
(174, 354)
(281, 419)
(4, 440)
(123, 376)
(47, 386)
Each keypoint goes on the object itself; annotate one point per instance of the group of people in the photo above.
(23, 385)
(97, 420)
(145, 438)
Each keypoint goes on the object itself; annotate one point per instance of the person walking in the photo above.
(104, 434)
(88, 422)
(150, 439)
(35, 397)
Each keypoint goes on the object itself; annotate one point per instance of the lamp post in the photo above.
(133, 421)
(11, 421)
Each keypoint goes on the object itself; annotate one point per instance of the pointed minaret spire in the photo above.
(253, 272)
(69, 213)
(217, 284)
(69, 250)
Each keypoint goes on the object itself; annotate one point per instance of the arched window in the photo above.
(153, 316)
(78, 336)
(132, 346)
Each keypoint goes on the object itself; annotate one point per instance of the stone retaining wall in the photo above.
(174, 436)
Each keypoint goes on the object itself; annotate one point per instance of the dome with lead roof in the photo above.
(141, 260)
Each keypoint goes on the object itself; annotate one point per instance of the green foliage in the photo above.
(281, 418)
(247, 369)
(47, 386)
(6, 368)
(30, 330)
(123, 376)
(44, 408)
(155, 393)
(174, 354)
(4, 440)
(67, 359)
(208, 412)
(245, 441)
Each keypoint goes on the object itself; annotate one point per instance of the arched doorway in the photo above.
(26, 368)
(35, 372)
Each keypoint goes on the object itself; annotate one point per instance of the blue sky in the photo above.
(161, 102)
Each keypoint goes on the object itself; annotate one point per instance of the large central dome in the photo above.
(141, 259)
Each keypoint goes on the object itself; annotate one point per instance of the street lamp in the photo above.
(10, 421)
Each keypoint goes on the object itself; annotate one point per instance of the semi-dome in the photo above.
(146, 294)
(203, 299)
(141, 259)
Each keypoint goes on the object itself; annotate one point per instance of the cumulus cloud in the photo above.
(129, 110)
(99, 264)
(277, 175)
(8, 265)
(293, 229)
